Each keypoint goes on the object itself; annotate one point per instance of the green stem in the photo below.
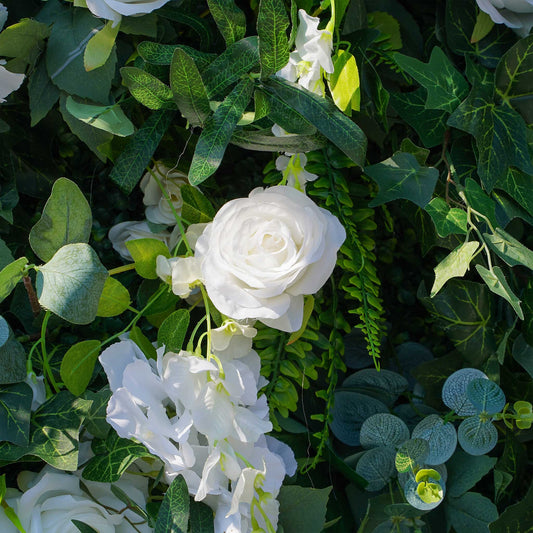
(46, 363)
(120, 269)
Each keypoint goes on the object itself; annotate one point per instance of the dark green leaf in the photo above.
(286, 117)
(302, 509)
(201, 518)
(43, 94)
(480, 201)
(10, 275)
(173, 516)
(217, 133)
(401, 176)
(465, 470)
(131, 163)
(83, 527)
(142, 341)
(96, 422)
(519, 185)
(523, 354)
(172, 332)
(161, 54)
(447, 220)
(264, 141)
(78, 364)
(229, 19)
(15, 410)
(188, 88)
(147, 89)
(471, 512)
(323, 114)
(197, 24)
(196, 207)
(6, 256)
(516, 518)
(272, 24)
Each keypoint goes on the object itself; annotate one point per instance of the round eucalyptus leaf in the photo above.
(411, 454)
(71, 283)
(477, 436)
(411, 495)
(442, 438)
(486, 395)
(386, 380)
(383, 429)
(377, 467)
(454, 391)
(349, 412)
(4, 331)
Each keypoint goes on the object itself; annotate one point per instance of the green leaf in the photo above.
(496, 282)
(445, 86)
(217, 133)
(523, 354)
(463, 309)
(448, 220)
(389, 28)
(272, 24)
(482, 28)
(476, 435)
(454, 265)
(196, 207)
(140, 25)
(516, 518)
(114, 300)
(196, 23)
(500, 134)
(15, 411)
(485, 395)
(230, 66)
(480, 201)
(512, 251)
(172, 332)
(83, 527)
(411, 454)
(465, 470)
(12, 361)
(383, 429)
(264, 141)
(78, 364)
(471, 512)
(286, 117)
(302, 509)
(108, 118)
(201, 518)
(132, 162)
(344, 84)
(429, 124)
(10, 275)
(376, 466)
(188, 88)
(71, 283)
(147, 89)
(161, 54)
(173, 516)
(66, 219)
(323, 114)
(112, 458)
(99, 47)
(24, 40)
(401, 176)
(142, 341)
(96, 422)
(43, 94)
(229, 19)
(71, 31)
(519, 185)
(144, 253)
(6, 257)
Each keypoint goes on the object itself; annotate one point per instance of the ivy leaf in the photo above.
(15, 411)
(500, 134)
(512, 251)
(188, 88)
(229, 19)
(518, 185)
(272, 24)
(401, 176)
(448, 220)
(324, 115)
(147, 89)
(71, 283)
(24, 40)
(96, 422)
(496, 282)
(131, 163)
(445, 86)
(454, 265)
(217, 133)
(480, 201)
(302, 508)
(470, 512)
(66, 219)
(173, 516)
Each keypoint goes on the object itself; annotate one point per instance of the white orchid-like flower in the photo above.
(293, 170)
(516, 14)
(181, 273)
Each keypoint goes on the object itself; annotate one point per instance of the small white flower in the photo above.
(314, 45)
(516, 14)
(181, 273)
(293, 170)
(233, 339)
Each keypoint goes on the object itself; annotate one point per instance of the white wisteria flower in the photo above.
(53, 498)
(158, 210)
(262, 254)
(114, 9)
(516, 14)
(181, 273)
(293, 170)
(9, 81)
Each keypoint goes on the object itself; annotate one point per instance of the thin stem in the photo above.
(120, 269)
(34, 301)
(46, 363)
(208, 321)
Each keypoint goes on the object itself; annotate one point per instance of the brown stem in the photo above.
(34, 301)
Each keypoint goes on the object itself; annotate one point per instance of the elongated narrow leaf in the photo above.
(197, 24)
(188, 89)
(272, 24)
(147, 89)
(161, 54)
(218, 131)
(496, 282)
(229, 19)
(264, 141)
(173, 515)
(324, 115)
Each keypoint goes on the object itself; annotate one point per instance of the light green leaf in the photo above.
(147, 89)
(454, 265)
(10, 275)
(512, 251)
(172, 332)
(132, 162)
(401, 176)
(188, 88)
(496, 282)
(43, 94)
(66, 219)
(448, 220)
(389, 28)
(24, 40)
(471, 512)
(217, 133)
(15, 410)
(411, 454)
(445, 86)
(480, 201)
(323, 114)
(302, 509)
(173, 516)
(272, 24)
(482, 28)
(78, 364)
(71, 283)
(344, 83)
(229, 19)
(108, 118)
(114, 300)
(99, 47)
(144, 253)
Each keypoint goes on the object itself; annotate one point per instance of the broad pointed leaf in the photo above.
(448, 220)
(173, 516)
(15, 411)
(147, 89)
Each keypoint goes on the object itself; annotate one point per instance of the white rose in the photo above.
(261, 254)
(516, 14)
(114, 9)
(3, 16)
(158, 209)
(9, 81)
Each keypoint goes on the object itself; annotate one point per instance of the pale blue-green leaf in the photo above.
(5, 331)
(485, 395)
(441, 438)
(511, 250)
(383, 429)
(465, 470)
(454, 391)
(477, 436)
(377, 467)
(471, 512)
(496, 282)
